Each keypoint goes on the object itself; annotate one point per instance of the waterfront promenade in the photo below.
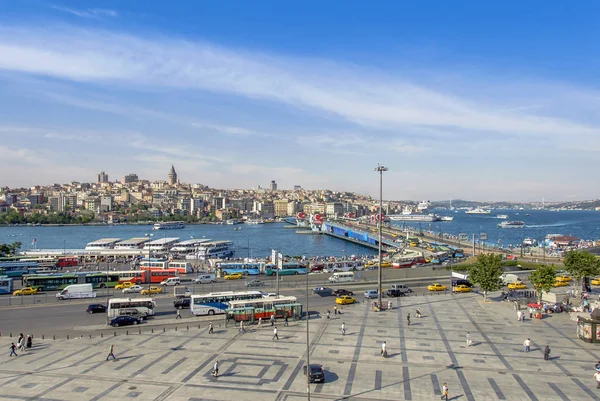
(176, 365)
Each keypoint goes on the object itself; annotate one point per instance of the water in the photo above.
(582, 224)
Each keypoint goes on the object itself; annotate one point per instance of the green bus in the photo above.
(58, 281)
(287, 269)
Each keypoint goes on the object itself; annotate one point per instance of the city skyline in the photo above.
(485, 103)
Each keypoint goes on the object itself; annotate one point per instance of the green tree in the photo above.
(581, 264)
(543, 279)
(486, 272)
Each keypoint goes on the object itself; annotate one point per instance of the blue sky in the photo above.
(458, 99)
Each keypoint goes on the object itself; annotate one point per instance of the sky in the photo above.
(474, 100)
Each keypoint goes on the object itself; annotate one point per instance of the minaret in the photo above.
(172, 176)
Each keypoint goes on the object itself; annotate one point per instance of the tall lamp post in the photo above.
(380, 169)
(149, 270)
(307, 345)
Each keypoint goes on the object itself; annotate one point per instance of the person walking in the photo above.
(343, 328)
(260, 322)
(275, 336)
(216, 369)
(335, 312)
(111, 352)
(469, 339)
(210, 328)
(328, 314)
(22, 345)
(547, 353)
(408, 319)
(597, 377)
(530, 312)
(241, 327)
(527, 345)
(384, 350)
(13, 349)
(285, 322)
(29, 340)
(178, 314)
(444, 392)
(272, 319)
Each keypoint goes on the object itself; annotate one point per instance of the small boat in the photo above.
(478, 210)
(502, 216)
(446, 218)
(511, 224)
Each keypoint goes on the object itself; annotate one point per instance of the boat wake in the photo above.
(548, 225)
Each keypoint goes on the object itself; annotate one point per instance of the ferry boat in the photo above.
(213, 250)
(187, 246)
(446, 218)
(478, 210)
(104, 243)
(512, 224)
(414, 217)
(132, 243)
(255, 221)
(232, 222)
(161, 245)
(502, 216)
(168, 225)
(423, 205)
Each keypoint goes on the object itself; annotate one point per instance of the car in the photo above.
(316, 373)
(371, 294)
(133, 289)
(233, 276)
(566, 279)
(345, 300)
(341, 292)
(595, 281)
(462, 288)
(560, 284)
(386, 264)
(132, 312)
(183, 303)
(255, 283)
(395, 293)
(95, 308)
(123, 285)
(436, 287)
(269, 294)
(323, 291)
(124, 321)
(26, 291)
(152, 290)
(518, 285)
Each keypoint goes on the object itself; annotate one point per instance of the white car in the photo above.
(133, 290)
(269, 294)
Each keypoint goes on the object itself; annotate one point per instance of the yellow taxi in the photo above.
(152, 290)
(462, 288)
(560, 284)
(436, 287)
(123, 285)
(517, 286)
(233, 276)
(386, 264)
(345, 300)
(413, 244)
(595, 281)
(26, 291)
(394, 235)
(565, 279)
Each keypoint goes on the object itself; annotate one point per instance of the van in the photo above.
(77, 291)
(205, 279)
(171, 281)
(401, 288)
(341, 277)
(508, 278)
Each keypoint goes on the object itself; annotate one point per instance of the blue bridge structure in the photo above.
(358, 236)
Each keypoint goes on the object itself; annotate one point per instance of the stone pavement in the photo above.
(177, 365)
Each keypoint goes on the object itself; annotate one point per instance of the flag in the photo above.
(34, 241)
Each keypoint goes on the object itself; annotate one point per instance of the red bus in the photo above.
(67, 261)
(146, 276)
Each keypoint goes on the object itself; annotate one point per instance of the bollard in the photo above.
(90, 336)
(42, 336)
(115, 334)
(67, 336)
(153, 330)
(10, 335)
(188, 327)
(54, 337)
(140, 331)
(198, 326)
(127, 332)
(164, 330)
(101, 335)
(175, 328)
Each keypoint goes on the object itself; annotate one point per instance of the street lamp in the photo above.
(307, 344)
(380, 169)
(149, 270)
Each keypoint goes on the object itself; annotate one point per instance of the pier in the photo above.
(358, 236)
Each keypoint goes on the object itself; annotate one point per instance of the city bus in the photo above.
(119, 306)
(6, 285)
(289, 268)
(343, 266)
(67, 261)
(241, 267)
(42, 262)
(217, 302)
(58, 281)
(262, 308)
(147, 276)
(182, 267)
(18, 269)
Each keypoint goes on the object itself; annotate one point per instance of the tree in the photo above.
(581, 264)
(543, 279)
(486, 272)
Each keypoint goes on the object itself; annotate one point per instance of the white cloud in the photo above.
(88, 13)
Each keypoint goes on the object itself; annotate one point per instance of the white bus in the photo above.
(156, 264)
(217, 302)
(120, 306)
(344, 266)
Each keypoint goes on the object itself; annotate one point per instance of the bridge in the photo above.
(358, 236)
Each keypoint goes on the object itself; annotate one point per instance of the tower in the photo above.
(172, 176)
(273, 186)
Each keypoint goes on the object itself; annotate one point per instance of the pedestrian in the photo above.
(285, 322)
(272, 319)
(22, 345)
(111, 352)
(468, 339)
(13, 348)
(444, 392)
(275, 336)
(178, 314)
(530, 312)
(343, 328)
(522, 316)
(335, 312)
(384, 350)
(260, 322)
(408, 318)
(328, 314)
(29, 340)
(527, 345)
(418, 313)
(210, 328)
(216, 369)
(547, 353)
(596, 376)
(241, 327)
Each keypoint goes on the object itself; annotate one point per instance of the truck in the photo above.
(77, 291)
(181, 291)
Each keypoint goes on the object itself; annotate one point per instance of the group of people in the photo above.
(22, 344)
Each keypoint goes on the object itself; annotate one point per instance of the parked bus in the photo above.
(182, 267)
(120, 306)
(6, 285)
(58, 281)
(42, 262)
(263, 308)
(18, 269)
(344, 266)
(147, 276)
(217, 302)
(289, 268)
(67, 261)
(241, 267)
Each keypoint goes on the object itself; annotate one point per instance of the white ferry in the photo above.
(414, 217)
(255, 221)
(132, 243)
(512, 224)
(502, 216)
(168, 225)
(213, 250)
(104, 243)
(160, 245)
(446, 218)
(232, 222)
(187, 246)
(478, 210)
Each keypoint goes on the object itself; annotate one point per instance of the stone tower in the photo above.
(172, 176)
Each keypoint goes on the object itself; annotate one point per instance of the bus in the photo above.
(119, 306)
(6, 285)
(67, 261)
(147, 276)
(58, 281)
(343, 266)
(42, 262)
(217, 302)
(182, 267)
(241, 267)
(18, 269)
(287, 269)
(263, 308)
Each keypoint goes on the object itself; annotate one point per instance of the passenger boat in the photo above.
(188, 246)
(502, 216)
(168, 225)
(255, 221)
(512, 224)
(478, 210)
(213, 250)
(446, 218)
